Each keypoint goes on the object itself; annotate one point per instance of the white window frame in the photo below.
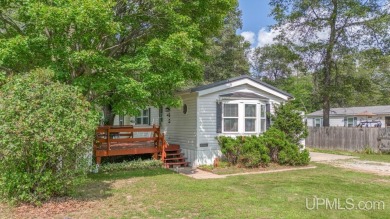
(121, 119)
(230, 117)
(255, 117)
(142, 117)
(315, 122)
(263, 117)
(347, 120)
(241, 116)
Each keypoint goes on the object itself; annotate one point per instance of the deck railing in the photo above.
(113, 137)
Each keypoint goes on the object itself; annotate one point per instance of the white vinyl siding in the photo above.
(207, 124)
(340, 121)
(181, 128)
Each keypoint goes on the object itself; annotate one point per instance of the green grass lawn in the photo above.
(161, 193)
(362, 156)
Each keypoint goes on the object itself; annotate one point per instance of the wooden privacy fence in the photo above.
(344, 138)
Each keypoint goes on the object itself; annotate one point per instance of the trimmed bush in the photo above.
(253, 151)
(230, 148)
(46, 130)
(288, 120)
(281, 150)
(292, 156)
(247, 151)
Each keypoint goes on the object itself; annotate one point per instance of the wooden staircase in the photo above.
(174, 157)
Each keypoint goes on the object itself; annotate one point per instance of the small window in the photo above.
(350, 121)
(262, 118)
(121, 120)
(160, 115)
(185, 108)
(230, 117)
(250, 117)
(143, 119)
(317, 122)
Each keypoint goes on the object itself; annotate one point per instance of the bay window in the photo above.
(250, 117)
(240, 116)
(230, 117)
(262, 118)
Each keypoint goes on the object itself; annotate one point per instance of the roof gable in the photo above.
(248, 95)
(244, 79)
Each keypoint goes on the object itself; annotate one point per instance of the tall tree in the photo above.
(328, 30)
(124, 54)
(277, 61)
(227, 55)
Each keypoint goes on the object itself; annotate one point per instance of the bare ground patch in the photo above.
(379, 168)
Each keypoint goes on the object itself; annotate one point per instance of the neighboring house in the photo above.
(366, 116)
(233, 107)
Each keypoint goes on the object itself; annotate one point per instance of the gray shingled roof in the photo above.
(380, 110)
(208, 86)
(243, 95)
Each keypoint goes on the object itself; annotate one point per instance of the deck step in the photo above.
(172, 149)
(175, 154)
(182, 164)
(174, 158)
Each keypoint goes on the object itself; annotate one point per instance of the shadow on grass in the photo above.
(99, 185)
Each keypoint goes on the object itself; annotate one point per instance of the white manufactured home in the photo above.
(233, 107)
(363, 116)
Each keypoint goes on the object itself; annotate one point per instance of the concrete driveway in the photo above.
(321, 157)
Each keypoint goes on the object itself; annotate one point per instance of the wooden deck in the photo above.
(121, 140)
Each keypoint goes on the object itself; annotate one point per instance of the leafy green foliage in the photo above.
(277, 61)
(326, 33)
(292, 156)
(230, 148)
(47, 130)
(244, 150)
(131, 165)
(123, 54)
(254, 152)
(282, 150)
(227, 55)
(279, 144)
(290, 121)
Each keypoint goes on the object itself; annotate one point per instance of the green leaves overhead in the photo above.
(227, 55)
(128, 54)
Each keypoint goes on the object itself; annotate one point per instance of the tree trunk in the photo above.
(109, 115)
(328, 62)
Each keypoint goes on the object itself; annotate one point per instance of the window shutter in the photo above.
(219, 117)
(149, 117)
(268, 115)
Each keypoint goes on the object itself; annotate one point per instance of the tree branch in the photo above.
(11, 23)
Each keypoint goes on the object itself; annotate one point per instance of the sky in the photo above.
(256, 21)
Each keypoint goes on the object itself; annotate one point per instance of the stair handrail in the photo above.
(164, 145)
